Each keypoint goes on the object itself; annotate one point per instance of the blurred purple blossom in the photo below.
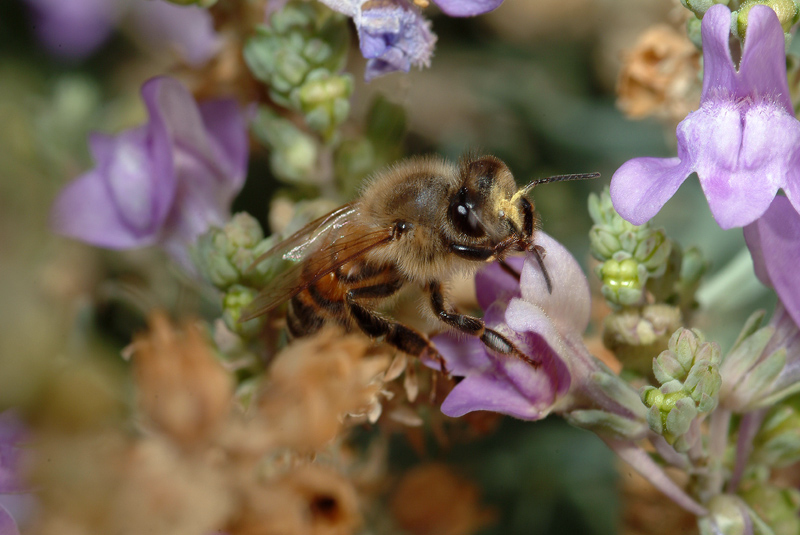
(774, 243)
(161, 183)
(13, 435)
(743, 142)
(76, 28)
(393, 34)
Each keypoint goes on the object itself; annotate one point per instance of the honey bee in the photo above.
(416, 223)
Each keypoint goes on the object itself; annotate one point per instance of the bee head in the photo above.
(484, 208)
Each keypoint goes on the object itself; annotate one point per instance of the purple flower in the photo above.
(765, 368)
(76, 28)
(161, 183)
(393, 34)
(742, 142)
(12, 436)
(393, 37)
(547, 327)
(467, 8)
(774, 243)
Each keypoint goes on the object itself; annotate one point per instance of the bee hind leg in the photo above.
(406, 339)
(475, 327)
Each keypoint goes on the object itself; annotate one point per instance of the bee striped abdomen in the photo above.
(326, 299)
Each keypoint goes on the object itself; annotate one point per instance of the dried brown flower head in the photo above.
(314, 383)
(432, 500)
(183, 390)
(105, 482)
(646, 512)
(659, 76)
(309, 500)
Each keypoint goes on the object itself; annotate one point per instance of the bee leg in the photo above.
(539, 252)
(508, 269)
(475, 327)
(404, 338)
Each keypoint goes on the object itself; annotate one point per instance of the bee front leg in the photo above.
(406, 339)
(474, 326)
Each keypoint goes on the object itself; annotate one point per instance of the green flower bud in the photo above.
(623, 281)
(693, 31)
(224, 256)
(690, 382)
(635, 335)
(234, 304)
(293, 154)
(632, 255)
(778, 441)
(302, 40)
(209, 255)
(698, 7)
(785, 9)
(653, 252)
(728, 515)
(777, 507)
(324, 100)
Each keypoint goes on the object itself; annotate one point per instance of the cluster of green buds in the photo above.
(688, 372)
(647, 280)
(630, 255)
(299, 55)
(228, 258)
(788, 12)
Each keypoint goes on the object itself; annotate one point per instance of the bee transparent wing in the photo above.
(349, 241)
(299, 244)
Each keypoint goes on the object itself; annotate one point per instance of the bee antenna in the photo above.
(557, 178)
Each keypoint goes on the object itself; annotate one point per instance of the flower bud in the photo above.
(632, 255)
(635, 335)
(698, 7)
(302, 41)
(777, 443)
(623, 282)
(224, 256)
(324, 98)
(690, 382)
(234, 304)
(728, 515)
(777, 507)
(603, 243)
(293, 154)
(785, 9)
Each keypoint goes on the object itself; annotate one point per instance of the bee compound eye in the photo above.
(464, 219)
